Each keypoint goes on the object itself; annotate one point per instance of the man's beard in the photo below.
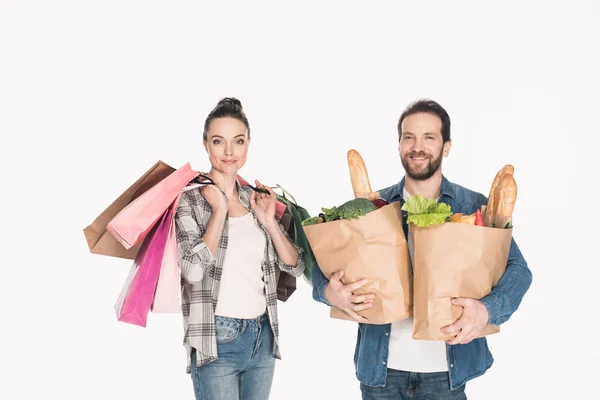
(428, 171)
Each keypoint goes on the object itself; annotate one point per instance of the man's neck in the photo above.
(429, 188)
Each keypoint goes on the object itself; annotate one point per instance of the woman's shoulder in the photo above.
(193, 195)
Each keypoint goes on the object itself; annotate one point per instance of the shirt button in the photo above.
(451, 365)
(387, 334)
(383, 362)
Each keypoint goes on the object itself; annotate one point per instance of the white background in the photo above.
(93, 93)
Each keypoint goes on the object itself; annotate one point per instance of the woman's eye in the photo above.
(217, 141)
(241, 141)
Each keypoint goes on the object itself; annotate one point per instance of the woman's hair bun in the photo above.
(230, 104)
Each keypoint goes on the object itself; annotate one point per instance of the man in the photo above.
(389, 363)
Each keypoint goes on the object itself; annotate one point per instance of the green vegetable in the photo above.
(355, 208)
(310, 221)
(329, 214)
(424, 212)
(349, 210)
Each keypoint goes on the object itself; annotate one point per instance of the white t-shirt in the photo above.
(408, 354)
(242, 289)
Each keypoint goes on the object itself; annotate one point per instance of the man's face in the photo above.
(421, 145)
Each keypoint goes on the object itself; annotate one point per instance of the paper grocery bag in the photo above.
(98, 239)
(372, 247)
(454, 260)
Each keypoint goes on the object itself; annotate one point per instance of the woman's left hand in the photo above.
(264, 205)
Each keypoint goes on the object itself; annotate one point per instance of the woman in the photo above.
(230, 244)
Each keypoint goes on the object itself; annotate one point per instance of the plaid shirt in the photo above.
(201, 274)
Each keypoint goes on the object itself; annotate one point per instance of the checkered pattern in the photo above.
(198, 264)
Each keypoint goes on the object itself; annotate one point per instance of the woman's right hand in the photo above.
(215, 197)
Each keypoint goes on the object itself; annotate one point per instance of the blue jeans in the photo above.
(401, 385)
(245, 365)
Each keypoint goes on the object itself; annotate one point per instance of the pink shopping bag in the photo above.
(167, 298)
(140, 285)
(132, 224)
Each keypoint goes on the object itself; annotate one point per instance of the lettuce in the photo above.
(424, 212)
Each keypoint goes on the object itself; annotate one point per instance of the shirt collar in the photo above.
(446, 188)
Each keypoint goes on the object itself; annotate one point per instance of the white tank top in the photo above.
(242, 289)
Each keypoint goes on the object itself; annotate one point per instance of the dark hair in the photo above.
(226, 107)
(427, 106)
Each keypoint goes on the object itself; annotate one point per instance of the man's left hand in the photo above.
(471, 323)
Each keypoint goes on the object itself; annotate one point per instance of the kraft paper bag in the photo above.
(103, 243)
(454, 260)
(372, 247)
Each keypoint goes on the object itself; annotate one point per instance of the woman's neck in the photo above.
(225, 182)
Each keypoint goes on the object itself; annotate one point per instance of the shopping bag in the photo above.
(286, 283)
(140, 293)
(454, 260)
(167, 298)
(295, 230)
(98, 239)
(371, 247)
(134, 222)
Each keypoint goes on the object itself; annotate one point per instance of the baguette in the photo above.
(358, 175)
(491, 209)
(506, 196)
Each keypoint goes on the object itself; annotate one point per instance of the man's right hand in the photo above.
(341, 296)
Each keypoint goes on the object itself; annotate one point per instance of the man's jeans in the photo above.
(245, 367)
(401, 385)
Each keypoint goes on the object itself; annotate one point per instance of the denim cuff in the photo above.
(321, 292)
(492, 303)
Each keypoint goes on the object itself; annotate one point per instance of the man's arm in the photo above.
(506, 296)
(319, 284)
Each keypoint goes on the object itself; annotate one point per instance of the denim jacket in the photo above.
(467, 361)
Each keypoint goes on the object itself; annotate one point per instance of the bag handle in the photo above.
(286, 194)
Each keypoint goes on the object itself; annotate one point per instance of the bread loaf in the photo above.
(508, 169)
(359, 176)
(461, 218)
(502, 198)
(506, 196)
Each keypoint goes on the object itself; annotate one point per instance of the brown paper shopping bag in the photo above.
(372, 247)
(454, 260)
(98, 239)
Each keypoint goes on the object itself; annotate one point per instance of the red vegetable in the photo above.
(478, 218)
(379, 203)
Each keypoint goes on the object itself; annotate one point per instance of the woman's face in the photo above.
(227, 144)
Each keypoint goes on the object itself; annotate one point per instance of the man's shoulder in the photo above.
(464, 195)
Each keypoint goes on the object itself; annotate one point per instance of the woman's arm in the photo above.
(196, 251)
